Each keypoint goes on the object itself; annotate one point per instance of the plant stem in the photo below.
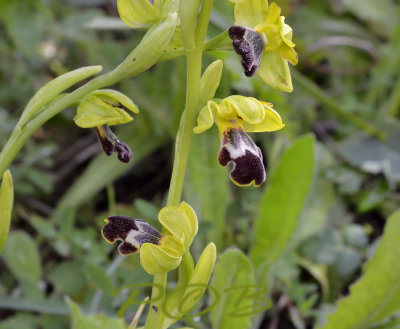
(394, 100)
(185, 132)
(220, 42)
(330, 103)
(182, 145)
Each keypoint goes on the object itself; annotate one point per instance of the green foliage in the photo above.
(99, 278)
(6, 204)
(22, 256)
(377, 294)
(282, 202)
(346, 89)
(233, 270)
(99, 321)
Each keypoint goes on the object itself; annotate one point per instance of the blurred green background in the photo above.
(349, 60)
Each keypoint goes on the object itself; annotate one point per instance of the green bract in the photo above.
(103, 107)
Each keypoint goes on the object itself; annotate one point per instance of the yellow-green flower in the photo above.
(264, 41)
(101, 109)
(234, 116)
(159, 253)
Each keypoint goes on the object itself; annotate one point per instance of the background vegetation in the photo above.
(346, 94)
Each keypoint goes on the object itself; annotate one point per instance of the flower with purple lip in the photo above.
(101, 109)
(234, 116)
(263, 40)
(159, 253)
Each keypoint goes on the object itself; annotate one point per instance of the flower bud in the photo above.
(210, 81)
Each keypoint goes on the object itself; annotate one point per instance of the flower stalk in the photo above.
(182, 147)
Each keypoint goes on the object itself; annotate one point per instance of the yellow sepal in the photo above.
(103, 107)
(155, 259)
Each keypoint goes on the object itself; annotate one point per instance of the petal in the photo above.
(181, 222)
(288, 53)
(250, 12)
(249, 44)
(94, 112)
(156, 260)
(172, 245)
(272, 121)
(273, 14)
(102, 107)
(248, 166)
(274, 70)
(137, 13)
(205, 119)
(287, 33)
(247, 108)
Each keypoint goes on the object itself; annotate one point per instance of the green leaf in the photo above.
(21, 320)
(377, 294)
(50, 90)
(210, 182)
(99, 278)
(68, 277)
(283, 201)
(233, 270)
(6, 204)
(22, 256)
(98, 321)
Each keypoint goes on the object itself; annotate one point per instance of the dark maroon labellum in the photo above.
(248, 166)
(249, 44)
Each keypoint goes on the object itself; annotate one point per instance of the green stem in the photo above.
(185, 132)
(394, 100)
(220, 42)
(330, 103)
(156, 316)
(182, 147)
